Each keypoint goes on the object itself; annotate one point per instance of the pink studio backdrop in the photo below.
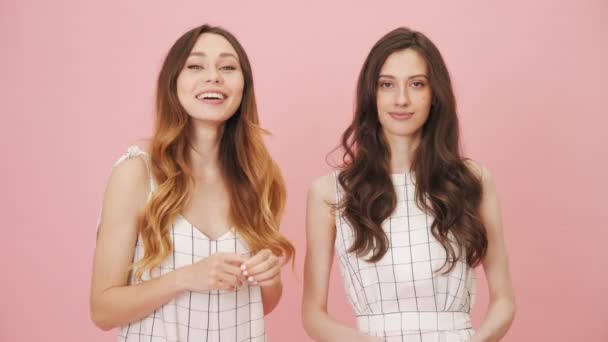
(77, 81)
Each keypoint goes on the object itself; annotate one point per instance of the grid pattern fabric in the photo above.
(401, 297)
(208, 316)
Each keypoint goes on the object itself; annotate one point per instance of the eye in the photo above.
(417, 84)
(195, 67)
(228, 68)
(385, 84)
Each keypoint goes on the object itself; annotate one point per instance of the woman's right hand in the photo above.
(220, 271)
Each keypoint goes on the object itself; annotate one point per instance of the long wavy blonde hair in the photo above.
(256, 187)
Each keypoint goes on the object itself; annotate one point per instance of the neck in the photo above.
(402, 151)
(204, 155)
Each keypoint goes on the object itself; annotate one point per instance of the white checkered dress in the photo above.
(207, 316)
(400, 298)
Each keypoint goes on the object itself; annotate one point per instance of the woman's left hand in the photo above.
(263, 269)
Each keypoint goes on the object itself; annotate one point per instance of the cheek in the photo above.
(183, 85)
(234, 84)
(239, 90)
(181, 92)
(383, 101)
(423, 101)
(426, 97)
(424, 109)
(426, 100)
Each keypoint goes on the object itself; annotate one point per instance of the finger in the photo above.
(258, 258)
(228, 278)
(273, 280)
(235, 271)
(226, 286)
(234, 259)
(263, 266)
(270, 282)
(239, 283)
(232, 269)
(219, 284)
(265, 276)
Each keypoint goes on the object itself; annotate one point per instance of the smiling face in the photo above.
(210, 86)
(404, 94)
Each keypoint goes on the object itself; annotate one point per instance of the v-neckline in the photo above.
(200, 232)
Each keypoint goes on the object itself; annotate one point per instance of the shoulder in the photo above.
(130, 174)
(323, 188)
(133, 163)
(481, 172)
(490, 206)
(320, 214)
(125, 197)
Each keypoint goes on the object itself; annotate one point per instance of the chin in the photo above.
(211, 119)
(404, 132)
(214, 115)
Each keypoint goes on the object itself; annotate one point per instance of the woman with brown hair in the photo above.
(188, 245)
(406, 214)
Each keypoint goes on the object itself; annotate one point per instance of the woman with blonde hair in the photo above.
(188, 247)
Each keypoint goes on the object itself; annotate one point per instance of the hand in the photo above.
(219, 271)
(367, 338)
(476, 338)
(263, 269)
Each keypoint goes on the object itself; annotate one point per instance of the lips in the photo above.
(212, 97)
(401, 115)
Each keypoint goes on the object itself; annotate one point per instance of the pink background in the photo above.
(77, 82)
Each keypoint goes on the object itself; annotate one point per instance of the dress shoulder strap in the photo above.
(133, 152)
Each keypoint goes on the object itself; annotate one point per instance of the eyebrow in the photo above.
(409, 78)
(223, 54)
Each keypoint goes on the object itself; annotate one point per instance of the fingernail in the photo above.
(245, 273)
(251, 279)
(243, 267)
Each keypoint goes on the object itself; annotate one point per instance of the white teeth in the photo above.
(210, 95)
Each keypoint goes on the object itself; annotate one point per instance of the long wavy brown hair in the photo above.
(256, 187)
(446, 188)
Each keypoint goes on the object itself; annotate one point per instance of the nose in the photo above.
(213, 76)
(403, 97)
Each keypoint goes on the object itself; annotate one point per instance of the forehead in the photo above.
(404, 63)
(213, 45)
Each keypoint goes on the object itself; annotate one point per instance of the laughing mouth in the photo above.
(211, 95)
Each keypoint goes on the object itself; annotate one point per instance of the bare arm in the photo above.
(501, 309)
(113, 301)
(271, 295)
(320, 236)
